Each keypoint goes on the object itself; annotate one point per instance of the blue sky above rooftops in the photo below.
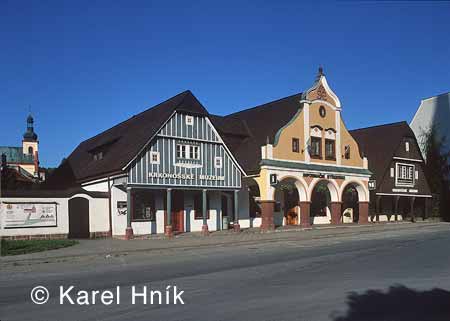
(84, 66)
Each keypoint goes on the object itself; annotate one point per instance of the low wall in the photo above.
(38, 215)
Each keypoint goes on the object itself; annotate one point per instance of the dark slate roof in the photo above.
(379, 144)
(246, 131)
(121, 143)
(16, 155)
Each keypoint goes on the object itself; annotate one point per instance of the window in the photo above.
(392, 172)
(330, 149)
(295, 145)
(316, 147)
(194, 152)
(198, 206)
(218, 162)
(407, 146)
(189, 120)
(98, 156)
(154, 158)
(187, 151)
(347, 152)
(405, 175)
(30, 150)
(144, 206)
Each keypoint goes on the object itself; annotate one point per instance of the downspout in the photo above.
(109, 208)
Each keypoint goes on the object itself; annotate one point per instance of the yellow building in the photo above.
(303, 166)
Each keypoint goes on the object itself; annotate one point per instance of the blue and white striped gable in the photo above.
(205, 163)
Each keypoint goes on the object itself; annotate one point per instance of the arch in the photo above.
(79, 217)
(299, 183)
(287, 194)
(332, 187)
(30, 150)
(363, 192)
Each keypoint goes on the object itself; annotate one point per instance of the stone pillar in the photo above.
(168, 230)
(336, 211)
(396, 199)
(412, 214)
(205, 230)
(378, 207)
(267, 208)
(305, 215)
(363, 212)
(129, 230)
(236, 226)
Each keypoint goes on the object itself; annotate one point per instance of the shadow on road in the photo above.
(399, 303)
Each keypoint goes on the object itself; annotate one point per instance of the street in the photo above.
(285, 279)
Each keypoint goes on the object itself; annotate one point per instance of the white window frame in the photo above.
(183, 151)
(157, 161)
(409, 171)
(189, 120)
(218, 162)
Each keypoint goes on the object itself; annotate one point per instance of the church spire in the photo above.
(30, 135)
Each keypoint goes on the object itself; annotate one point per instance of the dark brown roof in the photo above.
(246, 131)
(122, 142)
(379, 144)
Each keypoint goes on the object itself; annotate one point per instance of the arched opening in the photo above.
(30, 150)
(355, 207)
(79, 218)
(350, 204)
(287, 209)
(321, 203)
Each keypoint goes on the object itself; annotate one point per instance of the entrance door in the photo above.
(78, 218)
(291, 203)
(178, 211)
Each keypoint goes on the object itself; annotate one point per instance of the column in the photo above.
(336, 210)
(396, 199)
(236, 226)
(267, 208)
(129, 230)
(378, 207)
(168, 231)
(412, 214)
(205, 230)
(305, 209)
(363, 212)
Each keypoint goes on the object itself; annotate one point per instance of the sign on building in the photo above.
(26, 215)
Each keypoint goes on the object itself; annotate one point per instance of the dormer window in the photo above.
(98, 156)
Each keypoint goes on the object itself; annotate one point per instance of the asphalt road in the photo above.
(283, 280)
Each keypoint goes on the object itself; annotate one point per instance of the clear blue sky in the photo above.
(84, 66)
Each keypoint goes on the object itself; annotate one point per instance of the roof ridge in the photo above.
(138, 114)
(381, 125)
(264, 104)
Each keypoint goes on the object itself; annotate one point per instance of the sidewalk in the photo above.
(106, 247)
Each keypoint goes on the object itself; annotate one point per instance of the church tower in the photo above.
(30, 143)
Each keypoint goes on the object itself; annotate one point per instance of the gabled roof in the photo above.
(16, 155)
(379, 144)
(246, 131)
(121, 143)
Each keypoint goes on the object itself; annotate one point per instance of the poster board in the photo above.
(28, 214)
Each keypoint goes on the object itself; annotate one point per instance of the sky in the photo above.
(84, 66)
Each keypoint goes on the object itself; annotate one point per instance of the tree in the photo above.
(437, 168)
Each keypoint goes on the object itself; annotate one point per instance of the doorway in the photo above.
(79, 218)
